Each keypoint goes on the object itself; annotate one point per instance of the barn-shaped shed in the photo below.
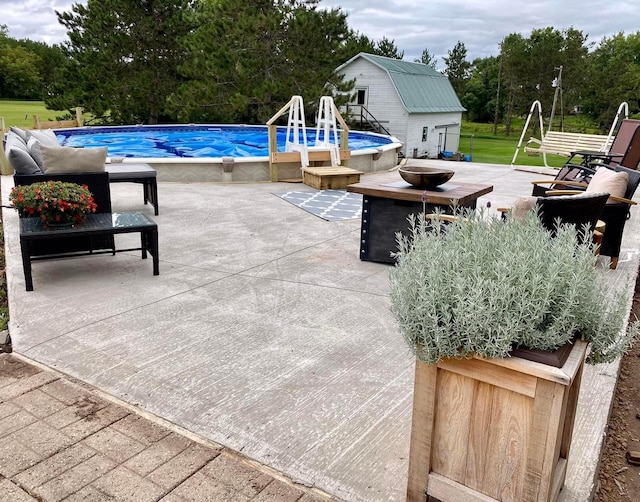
(411, 101)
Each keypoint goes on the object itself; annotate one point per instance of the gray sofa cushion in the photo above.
(43, 136)
(18, 155)
(73, 160)
(34, 150)
(120, 171)
(15, 141)
(22, 162)
(21, 133)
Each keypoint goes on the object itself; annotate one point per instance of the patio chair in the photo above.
(569, 177)
(624, 151)
(616, 212)
(582, 210)
(98, 184)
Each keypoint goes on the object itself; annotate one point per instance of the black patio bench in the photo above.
(94, 236)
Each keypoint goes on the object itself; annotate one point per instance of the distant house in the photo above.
(412, 101)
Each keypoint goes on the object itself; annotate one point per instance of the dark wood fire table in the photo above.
(386, 205)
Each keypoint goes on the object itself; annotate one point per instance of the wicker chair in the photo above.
(582, 210)
(614, 215)
(98, 184)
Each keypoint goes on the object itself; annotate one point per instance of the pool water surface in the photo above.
(190, 141)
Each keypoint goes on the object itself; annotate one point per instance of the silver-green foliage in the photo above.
(482, 286)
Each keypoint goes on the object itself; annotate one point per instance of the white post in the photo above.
(296, 129)
(327, 129)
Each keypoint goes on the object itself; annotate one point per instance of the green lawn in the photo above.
(499, 149)
(20, 113)
(491, 149)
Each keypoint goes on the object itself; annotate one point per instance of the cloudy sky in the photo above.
(413, 24)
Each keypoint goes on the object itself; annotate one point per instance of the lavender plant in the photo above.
(483, 286)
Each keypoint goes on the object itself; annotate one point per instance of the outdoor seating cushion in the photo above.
(522, 206)
(73, 160)
(19, 156)
(130, 171)
(33, 146)
(44, 137)
(21, 133)
(612, 182)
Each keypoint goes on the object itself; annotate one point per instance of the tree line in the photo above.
(239, 61)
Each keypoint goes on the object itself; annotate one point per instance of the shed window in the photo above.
(425, 129)
(362, 97)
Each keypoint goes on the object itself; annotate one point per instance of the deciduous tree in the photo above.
(613, 76)
(28, 68)
(19, 77)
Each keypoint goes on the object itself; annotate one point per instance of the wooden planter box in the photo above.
(492, 429)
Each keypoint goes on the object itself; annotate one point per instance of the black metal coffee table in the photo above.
(32, 230)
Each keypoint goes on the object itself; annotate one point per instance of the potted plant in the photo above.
(56, 203)
(486, 424)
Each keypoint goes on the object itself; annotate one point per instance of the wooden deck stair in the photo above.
(330, 177)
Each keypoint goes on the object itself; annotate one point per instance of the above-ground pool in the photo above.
(217, 152)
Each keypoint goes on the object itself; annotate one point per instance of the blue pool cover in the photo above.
(193, 141)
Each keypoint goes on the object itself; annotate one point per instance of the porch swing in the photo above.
(560, 142)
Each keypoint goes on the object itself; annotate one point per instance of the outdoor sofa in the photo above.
(36, 152)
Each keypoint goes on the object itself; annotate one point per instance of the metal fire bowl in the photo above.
(425, 177)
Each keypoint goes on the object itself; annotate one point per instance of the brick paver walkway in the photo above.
(61, 441)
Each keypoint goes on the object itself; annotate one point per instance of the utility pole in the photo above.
(497, 111)
(558, 86)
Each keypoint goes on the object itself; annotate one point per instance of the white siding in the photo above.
(383, 101)
(385, 105)
(435, 136)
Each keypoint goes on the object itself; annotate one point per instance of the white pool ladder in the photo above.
(297, 130)
(327, 130)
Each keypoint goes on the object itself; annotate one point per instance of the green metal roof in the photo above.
(421, 88)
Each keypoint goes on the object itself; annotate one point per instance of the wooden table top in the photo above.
(446, 194)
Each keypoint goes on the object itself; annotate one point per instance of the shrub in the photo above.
(55, 202)
(483, 286)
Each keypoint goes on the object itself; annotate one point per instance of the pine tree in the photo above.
(457, 67)
(123, 57)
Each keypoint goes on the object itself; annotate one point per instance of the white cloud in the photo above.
(413, 24)
(482, 24)
(34, 19)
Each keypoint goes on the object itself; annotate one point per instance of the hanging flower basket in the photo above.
(56, 203)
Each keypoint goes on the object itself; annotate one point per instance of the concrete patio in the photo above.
(264, 332)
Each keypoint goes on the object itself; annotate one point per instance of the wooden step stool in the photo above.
(330, 177)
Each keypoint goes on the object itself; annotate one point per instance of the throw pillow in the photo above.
(34, 150)
(21, 133)
(523, 206)
(44, 136)
(15, 141)
(73, 160)
(22, 162)
(612, 182)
